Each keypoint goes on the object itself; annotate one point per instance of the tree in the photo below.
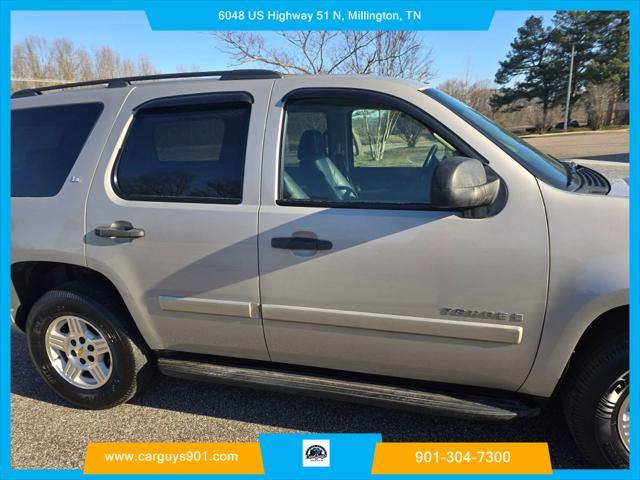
(409, 129)
(601, 40)
(397, 53)
(574, 30)
(598, 99)
(37, 62)
(476, 94)
(610, 63)
(537, 68)
(530, 71)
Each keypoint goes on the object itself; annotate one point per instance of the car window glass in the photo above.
(393, 138)
(298, 121)
(539, 164)
(346, 152)
(185, 154)
(45, 143)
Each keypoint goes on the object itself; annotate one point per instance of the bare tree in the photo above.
(475, 93)
(387, 53)
(600, 100)
(37, 62)
(399, 54)
(409, 129)
(144, 66)
(108, 63)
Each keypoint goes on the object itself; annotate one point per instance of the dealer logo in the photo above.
(315, 453)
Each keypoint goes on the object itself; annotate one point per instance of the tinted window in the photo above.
(45, 143)
(185, 154)
(542, 166)
(351, 152)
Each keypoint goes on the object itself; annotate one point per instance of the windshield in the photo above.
(539, 164)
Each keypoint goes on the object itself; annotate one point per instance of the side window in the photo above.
(45, 143)
(299, 120)
(341, 151)
(188, 154)
(393, 138)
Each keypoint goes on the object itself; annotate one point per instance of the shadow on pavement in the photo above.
(306, 413)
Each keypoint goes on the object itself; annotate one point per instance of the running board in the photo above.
(454, 404)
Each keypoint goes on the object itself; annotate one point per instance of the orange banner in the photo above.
(461, 458)
(164, 458)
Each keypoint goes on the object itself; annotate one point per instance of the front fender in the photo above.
(560, 340)
(589, 275)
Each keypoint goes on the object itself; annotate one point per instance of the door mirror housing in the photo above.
(461, 183)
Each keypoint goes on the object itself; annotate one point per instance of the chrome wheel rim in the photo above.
(79, 352)
(623, 422)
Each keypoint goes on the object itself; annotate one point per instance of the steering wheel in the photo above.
(430, 155)
(347, 190)
(428, 167)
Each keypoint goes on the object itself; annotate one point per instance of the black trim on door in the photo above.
(194, 100)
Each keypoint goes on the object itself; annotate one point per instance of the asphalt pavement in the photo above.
(47, 433)
(612, 145)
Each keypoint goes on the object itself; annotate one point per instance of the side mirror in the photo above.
(461, 182)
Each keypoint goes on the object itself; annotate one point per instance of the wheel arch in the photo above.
(32, 279)
(605, 325)
(609, 324)
(594, 323)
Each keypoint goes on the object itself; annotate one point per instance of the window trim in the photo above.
(82, 147)
(196, 102)
(384, 99)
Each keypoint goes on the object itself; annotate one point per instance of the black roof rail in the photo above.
(246, 74)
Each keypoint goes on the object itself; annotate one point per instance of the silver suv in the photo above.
(363, 238)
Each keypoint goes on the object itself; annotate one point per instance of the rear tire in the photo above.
(596, 403)
(83, 344)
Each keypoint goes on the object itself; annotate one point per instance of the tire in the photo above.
(121, 364)
(593, 398)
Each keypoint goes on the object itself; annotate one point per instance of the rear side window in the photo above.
(185, 154)
(45, 143)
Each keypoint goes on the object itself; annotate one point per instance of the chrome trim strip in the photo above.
(488, 332)
(209, 307)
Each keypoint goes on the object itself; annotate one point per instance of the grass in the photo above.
(396, 154)
(577, 129)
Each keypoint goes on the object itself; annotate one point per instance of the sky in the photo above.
(128, 32)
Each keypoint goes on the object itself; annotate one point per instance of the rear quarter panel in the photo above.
(52, 228)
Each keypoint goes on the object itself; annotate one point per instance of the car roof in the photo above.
(190, 77)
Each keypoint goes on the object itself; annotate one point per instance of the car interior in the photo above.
(338, 152)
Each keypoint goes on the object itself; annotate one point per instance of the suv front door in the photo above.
(393, 287)
(185, 168)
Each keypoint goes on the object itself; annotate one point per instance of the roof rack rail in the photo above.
(245, 74)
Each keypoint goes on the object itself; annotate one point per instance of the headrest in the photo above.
(312, 146)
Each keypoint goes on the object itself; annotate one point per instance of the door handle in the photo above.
(301, 243)
(119, 229)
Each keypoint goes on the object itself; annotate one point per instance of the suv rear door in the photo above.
(183, 165)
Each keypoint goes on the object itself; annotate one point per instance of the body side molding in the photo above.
(464, 329)
(209, 307)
